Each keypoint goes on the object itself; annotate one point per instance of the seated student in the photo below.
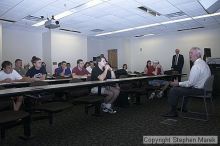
(79, 71)
(7, 75)
(90, 67)
(149, 68)
(103, 71)
(68, 65)
(157, 69)
(19, 68)
(122, 71)
(63, 70)
(37, 71)
(55, 71)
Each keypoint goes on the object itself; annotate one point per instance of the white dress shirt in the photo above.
(198, 75)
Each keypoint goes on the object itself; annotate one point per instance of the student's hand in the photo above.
(174, 83)
(8, 80)
(107, 67)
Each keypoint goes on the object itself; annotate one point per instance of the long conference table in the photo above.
(27, 90)
(10, 92)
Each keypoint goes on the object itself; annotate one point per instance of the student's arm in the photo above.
(103, 75)
(8, 80)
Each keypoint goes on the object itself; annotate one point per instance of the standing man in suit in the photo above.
(177, 63)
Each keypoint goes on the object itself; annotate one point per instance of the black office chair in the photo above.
(45, 102)
(9, 118)
(208, 88)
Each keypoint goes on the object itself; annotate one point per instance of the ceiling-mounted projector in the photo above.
(51, 23)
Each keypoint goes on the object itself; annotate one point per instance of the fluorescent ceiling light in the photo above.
(208, 15)
(146, 26)
(149, 34)
(63, 14)
(175, 21)
(93, 3)
(156, 24)
(39, 23)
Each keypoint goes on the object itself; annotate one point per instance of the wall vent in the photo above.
(193, 28)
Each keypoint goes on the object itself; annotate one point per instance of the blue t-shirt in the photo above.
(59, 70)
(33, 72)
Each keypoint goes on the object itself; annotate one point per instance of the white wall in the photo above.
(162, 47)
(21, 44)
(46, 45)
(136, 51)
(101, 46)
(68, 47)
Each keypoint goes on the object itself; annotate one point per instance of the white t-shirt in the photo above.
(13, 76)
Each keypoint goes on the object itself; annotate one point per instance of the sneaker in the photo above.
(152, 95)
(105, 110)
(111, 111)
(103, 105)
(160, 94)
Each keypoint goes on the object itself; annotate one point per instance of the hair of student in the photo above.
(124, 65)
(99, 58)
(59, 64)
(86, 64)
(63, 62)
(147, 63)
(17, 60)
(79, 60)
(34, 59)
(5, 64)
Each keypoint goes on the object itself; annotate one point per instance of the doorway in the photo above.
(113, 58)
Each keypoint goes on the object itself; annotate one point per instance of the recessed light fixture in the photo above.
(161, 23)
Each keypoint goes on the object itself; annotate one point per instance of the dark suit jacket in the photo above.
(180, 63)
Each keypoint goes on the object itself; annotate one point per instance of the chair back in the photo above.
(208, 86)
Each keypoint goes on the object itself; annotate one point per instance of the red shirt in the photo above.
(79, 72)
(151, 69)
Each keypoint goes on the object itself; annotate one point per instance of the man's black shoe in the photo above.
(171, 114)
(184, 110)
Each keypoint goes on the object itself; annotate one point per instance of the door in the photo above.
(113, 58)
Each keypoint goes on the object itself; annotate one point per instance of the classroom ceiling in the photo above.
(103, 16)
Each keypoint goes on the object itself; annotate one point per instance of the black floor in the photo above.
(126, 128)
